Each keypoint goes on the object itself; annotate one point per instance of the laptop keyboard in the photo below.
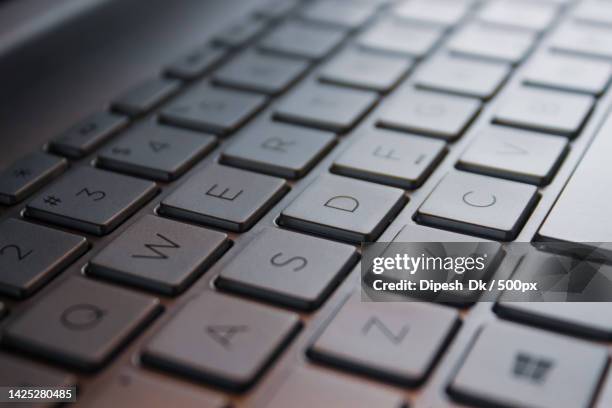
(201, 234)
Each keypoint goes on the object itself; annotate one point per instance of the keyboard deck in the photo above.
(197, 243)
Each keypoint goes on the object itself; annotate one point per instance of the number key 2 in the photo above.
(31, 254)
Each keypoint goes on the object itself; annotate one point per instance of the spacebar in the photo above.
(582, 213)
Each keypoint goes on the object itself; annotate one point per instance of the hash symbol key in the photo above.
(91, 200)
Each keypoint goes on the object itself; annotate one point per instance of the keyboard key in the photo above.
(469, 77)
(338, 13)
(287, 268)
(197, 63)
(527, 15)
(325, 107)
(257, 72)
(387, 157)
(516, 366)
(224, 197)
(278, 149)
(80, 323)
(229, 349)
(479, 205)
(569, 73)
(131, 388)
(594, 11)
(91, 200)
(302, 40)
(562, 282)
(145, 96)
(420, 233)
(19, 372)
(209, 109)
(390, 36)
(28, 174)
(240, 33)
(416, 238)
(588, 319)
(493, 43)
(545, 111)
(445, 13)
(87, 135)
(429, 113)
(158, 254)
(581, 212)
(361, 69)
(367, 337)
(155, 151)
(31, 254)
(276, 9)
(306, 387)
(528, 157)
(344, 209)
(605, 396)
(582, 39)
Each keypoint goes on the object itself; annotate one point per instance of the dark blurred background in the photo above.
(53, 73)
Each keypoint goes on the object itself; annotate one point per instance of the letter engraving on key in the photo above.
(223, 334)
(122, 151)
(223, 195)
(320, 101)
(394, 338)
(22, 173)
(158, 146)
(469, 200)
(343, 203)
(95, 195)
(512, 149)
(531, 368)
(212, 105)
(545, 108)
(300, 260)
(18, 251)
(82, 316)
(430, 110)
(155, 248)
(277, 144)
(379, 152)
(88, 128)
(52, 200)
